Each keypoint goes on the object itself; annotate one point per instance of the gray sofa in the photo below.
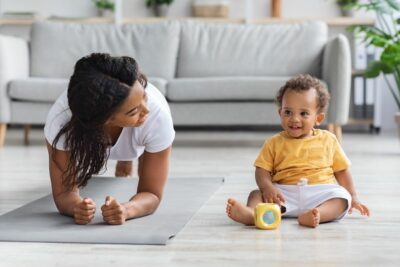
(212, 74)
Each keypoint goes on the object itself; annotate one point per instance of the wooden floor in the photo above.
(210, 238)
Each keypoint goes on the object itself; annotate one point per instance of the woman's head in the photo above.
(103, 90)
(99, 86)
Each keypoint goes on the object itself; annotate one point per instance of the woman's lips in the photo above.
(142, 120)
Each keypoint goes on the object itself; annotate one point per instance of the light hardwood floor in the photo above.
(210, 238)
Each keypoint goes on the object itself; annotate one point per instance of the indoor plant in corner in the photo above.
(346, 6)
(385, 36)
(104, 7)
(160, 7)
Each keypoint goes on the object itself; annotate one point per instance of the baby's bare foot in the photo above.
(239, 212)
(310, 218)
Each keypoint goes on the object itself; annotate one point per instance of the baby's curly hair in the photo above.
(305, 82)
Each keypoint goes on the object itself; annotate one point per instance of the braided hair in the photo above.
(97, 88)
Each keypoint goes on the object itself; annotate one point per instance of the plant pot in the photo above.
(106, 13)
(160, 10)
(397, 119)
(346, 12)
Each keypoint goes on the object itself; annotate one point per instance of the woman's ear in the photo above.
(320, 118)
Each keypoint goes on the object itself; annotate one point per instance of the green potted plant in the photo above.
(385, 36)
(104, 7)
(160, 7)
(346, 6)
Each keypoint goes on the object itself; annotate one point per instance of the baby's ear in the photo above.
(320, 118)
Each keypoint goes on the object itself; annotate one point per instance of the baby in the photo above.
(302, 169)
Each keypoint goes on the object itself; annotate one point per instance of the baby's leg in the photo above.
(326, 212)
(241, 213)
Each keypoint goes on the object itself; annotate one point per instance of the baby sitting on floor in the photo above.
(301, 168)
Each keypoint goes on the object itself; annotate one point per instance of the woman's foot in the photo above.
(239, 212)
(123, 169)
(310, 218)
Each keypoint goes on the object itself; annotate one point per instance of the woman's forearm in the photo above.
(141, 204)
(66, 202)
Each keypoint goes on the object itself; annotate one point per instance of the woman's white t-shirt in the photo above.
(154, 135)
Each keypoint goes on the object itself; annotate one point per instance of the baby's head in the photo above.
(302, 102)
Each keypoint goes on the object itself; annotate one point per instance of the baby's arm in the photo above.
(269, 192)
(344, 179)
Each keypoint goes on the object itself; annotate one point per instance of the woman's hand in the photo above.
(84, 211)
(113, 212)
(271, 194)
(356, 204)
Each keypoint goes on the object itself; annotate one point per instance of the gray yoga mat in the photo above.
(39, 220)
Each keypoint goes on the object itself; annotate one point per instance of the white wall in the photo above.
(72, 8)
(179, 8)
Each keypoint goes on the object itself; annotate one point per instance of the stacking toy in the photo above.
(267, 216)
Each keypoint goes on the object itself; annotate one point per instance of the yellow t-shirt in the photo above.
(315, 158)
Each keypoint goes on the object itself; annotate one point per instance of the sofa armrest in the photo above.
(14, 63)
(336, 72)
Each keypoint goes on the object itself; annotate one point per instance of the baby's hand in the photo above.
(355, 203)
(113, 212)
(84, 211)
(271, 194)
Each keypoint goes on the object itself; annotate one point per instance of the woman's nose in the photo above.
(145, 109)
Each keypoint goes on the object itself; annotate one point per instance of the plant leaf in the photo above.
(373, 70)
(393, 4)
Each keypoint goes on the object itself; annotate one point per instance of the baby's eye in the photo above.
(287, 112)
(304, 114)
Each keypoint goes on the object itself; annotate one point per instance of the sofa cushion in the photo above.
(215, 49)
(55, 46)
(37, 89)
(48, 89)
(224, 88)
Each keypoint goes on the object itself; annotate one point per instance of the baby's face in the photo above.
(299, 113)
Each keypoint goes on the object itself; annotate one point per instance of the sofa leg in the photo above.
(3, 129)
(336, 129)
(27, 128)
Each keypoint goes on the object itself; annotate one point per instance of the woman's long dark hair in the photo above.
(99, 85)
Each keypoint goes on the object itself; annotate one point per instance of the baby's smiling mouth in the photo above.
(295, 127)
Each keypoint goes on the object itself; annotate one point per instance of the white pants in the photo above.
(302, 197)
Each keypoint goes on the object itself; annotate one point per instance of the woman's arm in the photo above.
(153, 174)
(68, 202)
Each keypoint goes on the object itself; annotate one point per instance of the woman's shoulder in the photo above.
(58, 115)
(157, 104)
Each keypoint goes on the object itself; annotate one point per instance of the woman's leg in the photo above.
(241, 213)
(326, 212)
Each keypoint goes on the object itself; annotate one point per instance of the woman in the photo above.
(108, 111)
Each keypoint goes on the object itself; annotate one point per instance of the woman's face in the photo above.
(133, 111)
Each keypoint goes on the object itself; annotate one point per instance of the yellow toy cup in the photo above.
(267, 216)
